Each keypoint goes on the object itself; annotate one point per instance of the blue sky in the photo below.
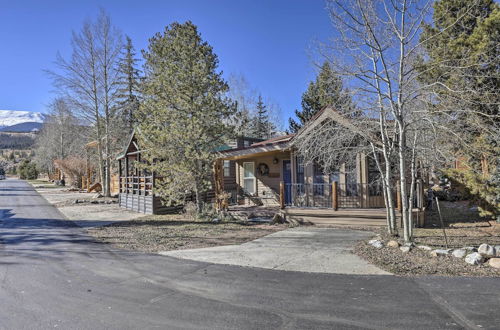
(270, 42)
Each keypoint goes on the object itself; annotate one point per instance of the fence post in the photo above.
(335, 200)
(282, 195)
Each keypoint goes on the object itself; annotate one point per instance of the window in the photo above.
(227, 168)
(351, 181)
(249, 183)
(300, 169)
(374, 178)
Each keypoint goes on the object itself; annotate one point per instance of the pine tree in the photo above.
(465, 57)
(326, 90)
(129, 79)
(183, 116)
(262, 127)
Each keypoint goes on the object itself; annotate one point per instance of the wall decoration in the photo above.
(263, 169)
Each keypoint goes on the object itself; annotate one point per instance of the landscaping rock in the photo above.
(424, 247)
(497, 250)
(405, 249)
(393, 244)
(376, 243)
(474, 258)
(470, 249)
(440, 253)
(278, 219)
(486, 250)
(459, 253)
(494, 262)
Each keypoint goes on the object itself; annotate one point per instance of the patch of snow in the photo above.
(14, 117)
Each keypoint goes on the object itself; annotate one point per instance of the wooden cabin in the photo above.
(271, 173)
(136, 186)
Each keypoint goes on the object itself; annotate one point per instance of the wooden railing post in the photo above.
(335, 200)
(282, 195)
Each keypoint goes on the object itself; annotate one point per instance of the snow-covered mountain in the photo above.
(14, 117)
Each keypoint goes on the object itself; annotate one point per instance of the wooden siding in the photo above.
(137, 203)
(267, 185)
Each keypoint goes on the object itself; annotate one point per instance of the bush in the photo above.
(27, 171)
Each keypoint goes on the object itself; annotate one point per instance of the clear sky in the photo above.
(270, 42)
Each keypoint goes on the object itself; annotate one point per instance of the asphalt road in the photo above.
(54, 276)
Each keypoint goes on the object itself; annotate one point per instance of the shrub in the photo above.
(27, 170)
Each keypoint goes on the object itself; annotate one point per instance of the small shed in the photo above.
(135, 185)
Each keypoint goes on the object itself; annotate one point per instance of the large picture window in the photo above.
(249, 183)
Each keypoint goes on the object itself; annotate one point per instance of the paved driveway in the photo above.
(305, 249)
(52, 275)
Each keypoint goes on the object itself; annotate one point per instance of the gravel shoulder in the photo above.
(82, 208)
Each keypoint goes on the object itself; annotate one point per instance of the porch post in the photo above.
(335, 202)
(282, 195)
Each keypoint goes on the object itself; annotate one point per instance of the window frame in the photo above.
(253, 178)
(226, 168)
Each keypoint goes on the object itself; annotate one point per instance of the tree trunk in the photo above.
(402, 182)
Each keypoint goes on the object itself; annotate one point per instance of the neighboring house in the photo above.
(136, 187)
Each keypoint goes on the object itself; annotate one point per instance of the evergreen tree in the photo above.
(261, 125)
(183, 116)
(129, 79)
(326, 90)
(465, 60)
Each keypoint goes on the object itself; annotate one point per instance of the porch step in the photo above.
(350, 221)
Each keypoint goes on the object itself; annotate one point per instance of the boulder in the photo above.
(440, 252)
(393, 244)
(459, 253)
(486, 250)
(470, 249)
(494, 262)
(474, 258)
(376, 243)
(497, 250)
(424, 247)
(405, 249)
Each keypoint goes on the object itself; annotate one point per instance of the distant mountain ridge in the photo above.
(20, 121)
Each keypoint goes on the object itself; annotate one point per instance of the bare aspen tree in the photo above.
(377, 51)
(60, 136)
(88, 80)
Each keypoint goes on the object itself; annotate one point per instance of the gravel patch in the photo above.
(174, 232)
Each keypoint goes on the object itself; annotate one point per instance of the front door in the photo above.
(287, 180)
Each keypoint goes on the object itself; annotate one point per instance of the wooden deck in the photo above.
(347, 217)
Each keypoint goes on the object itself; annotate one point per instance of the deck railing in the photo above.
(136, 185)
(326, 195)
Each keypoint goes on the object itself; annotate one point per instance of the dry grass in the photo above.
(174, 232)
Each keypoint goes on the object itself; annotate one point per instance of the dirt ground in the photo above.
(173, 232)
(463, 226)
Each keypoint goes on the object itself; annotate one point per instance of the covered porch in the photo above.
(270, 173)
